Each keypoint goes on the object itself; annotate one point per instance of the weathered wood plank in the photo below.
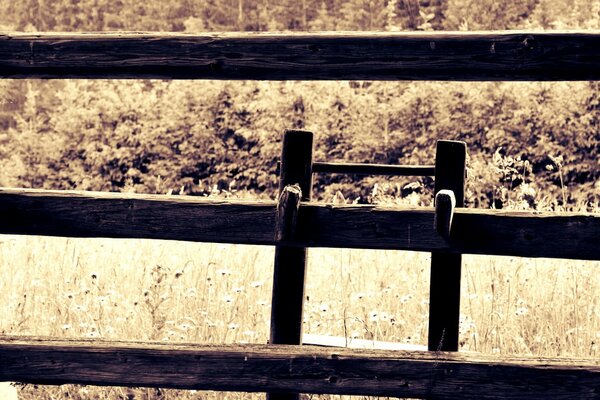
(289, 269)
(117, 215)
(309, 56)
(374, 169)
(444, 282)
(306, 369)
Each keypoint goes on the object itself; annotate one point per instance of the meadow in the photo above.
(215, 293)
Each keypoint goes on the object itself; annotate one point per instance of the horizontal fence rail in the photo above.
(468, 56)
(373, 169)
(307, 369)
(116, 215)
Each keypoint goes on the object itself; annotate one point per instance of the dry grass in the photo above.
(177, 291)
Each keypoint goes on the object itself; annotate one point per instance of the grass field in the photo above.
(210, 293)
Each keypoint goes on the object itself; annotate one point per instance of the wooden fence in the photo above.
(294, 223)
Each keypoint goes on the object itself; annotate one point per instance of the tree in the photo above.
(362, 15)
(488, 14)
(554, 14)
(322, 20)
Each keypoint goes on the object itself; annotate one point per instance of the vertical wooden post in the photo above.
(444, 297)
(290, 262)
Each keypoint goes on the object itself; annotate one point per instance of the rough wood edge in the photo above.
(445, 202)
(116, 215)
(298, 369)
(287, 213)
(493, 56)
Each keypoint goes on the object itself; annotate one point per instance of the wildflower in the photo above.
(233, 326)
(184, 327)
(223, 272)
(324, 307)
(227, 299)
(373, 316)
(81, 308)
(406, 299)
(66, 327)
(521, 311)
(238, 289)
(359, 295)
(256, 284)
(261, 302)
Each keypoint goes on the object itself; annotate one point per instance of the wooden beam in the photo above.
(197, 219)
(289, 268)
(444, 283)
(306, 369)
(467, 56)
(373, 169)
(290, 261)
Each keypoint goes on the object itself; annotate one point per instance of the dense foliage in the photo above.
(528, 142)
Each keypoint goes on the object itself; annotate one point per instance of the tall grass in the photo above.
(212, 293)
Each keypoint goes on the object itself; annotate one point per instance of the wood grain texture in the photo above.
(117, 215)
(444, 282)
(306, 369)
(310, 56)
(289, 268)
(287, 212)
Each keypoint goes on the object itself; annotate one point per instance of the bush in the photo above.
(193, 137)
